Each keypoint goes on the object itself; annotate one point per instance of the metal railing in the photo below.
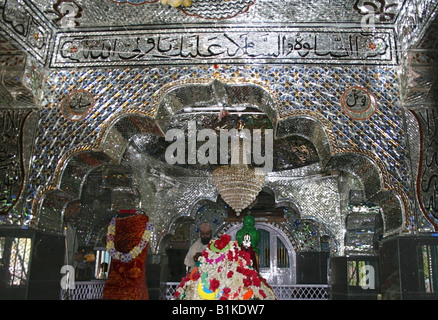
(84, 290)
(302, 292)
(93, 290)
(282, 292)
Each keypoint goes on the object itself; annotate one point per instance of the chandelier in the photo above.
(238, 184)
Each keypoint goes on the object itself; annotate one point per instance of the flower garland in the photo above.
(224, 272)
(131, 255)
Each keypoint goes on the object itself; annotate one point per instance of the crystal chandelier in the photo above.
(238, 184)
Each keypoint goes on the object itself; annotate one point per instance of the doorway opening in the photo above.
(277, 255)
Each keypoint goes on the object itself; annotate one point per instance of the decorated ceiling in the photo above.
(347, 86)
(134, 30)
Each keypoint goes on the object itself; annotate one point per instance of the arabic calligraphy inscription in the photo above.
(358, 103)
(77, 105)
(231, 45)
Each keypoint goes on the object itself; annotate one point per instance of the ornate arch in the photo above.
(361, 163)
(178, 95)
(311, 127)
(76, 165)
(360, 166)
(72, 174)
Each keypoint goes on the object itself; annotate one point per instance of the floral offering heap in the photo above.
(224, 272)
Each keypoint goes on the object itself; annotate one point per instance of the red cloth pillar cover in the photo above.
(127, 280)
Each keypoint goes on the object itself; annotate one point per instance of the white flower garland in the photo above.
(131, 255)
(224, 272)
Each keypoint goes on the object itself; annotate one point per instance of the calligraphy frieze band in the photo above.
(236, 44)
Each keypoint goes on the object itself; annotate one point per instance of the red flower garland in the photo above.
(213, 257)
(214, 284)
(262, 293)
(222, 242)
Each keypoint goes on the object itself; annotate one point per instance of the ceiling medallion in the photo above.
(358, 103)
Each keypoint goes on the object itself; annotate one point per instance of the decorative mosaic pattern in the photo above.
(217, 9)
(179, 200)
(318, 199)
(11, 157)
(427, 183)
(414, 17)
(134, 2)
(319, 215)
(134, 51)
(99, 13)
(207, 9)
(298, 91)
(211, 212)
(364, 229)
(28, 28)
(305, 232)
(421, 220)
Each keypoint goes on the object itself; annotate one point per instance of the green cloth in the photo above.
(248, 228)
